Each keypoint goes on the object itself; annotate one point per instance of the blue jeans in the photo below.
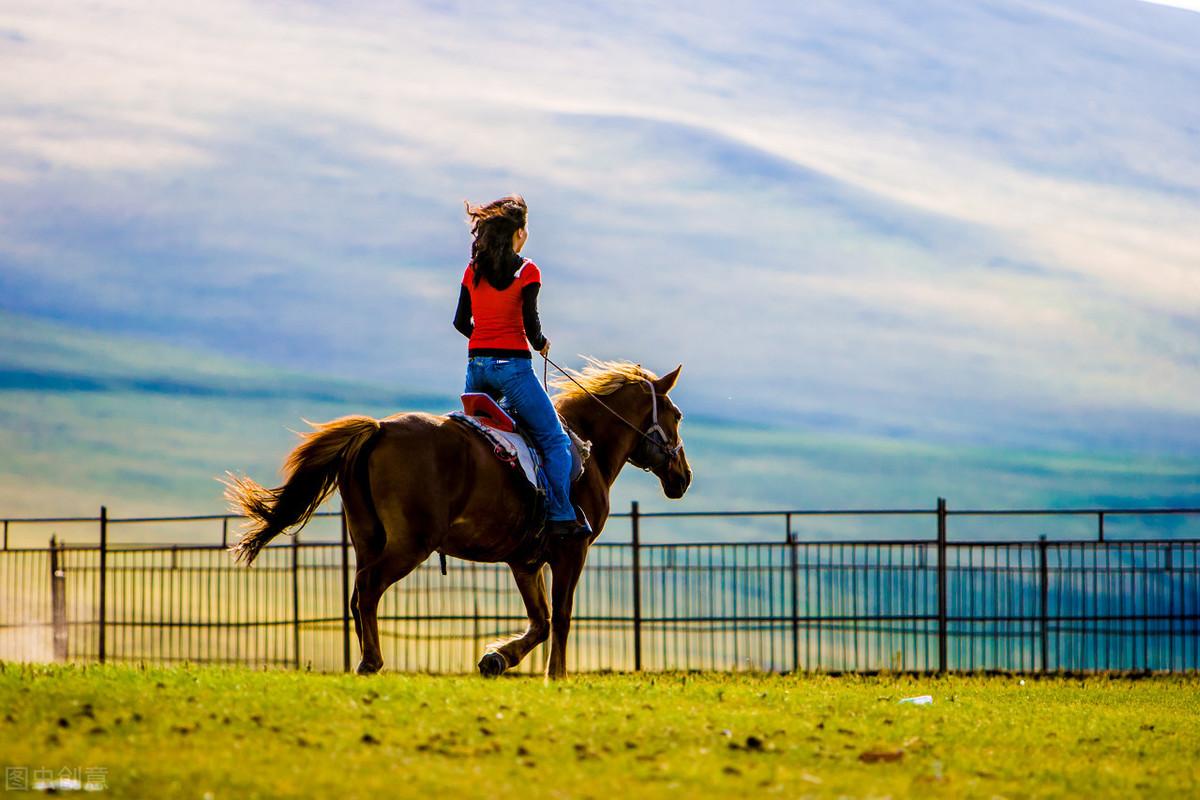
(514, 379)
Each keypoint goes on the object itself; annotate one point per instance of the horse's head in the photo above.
(620, 401)
(660, 448)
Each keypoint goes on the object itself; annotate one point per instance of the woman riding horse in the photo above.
(498, 313)
(415, 484)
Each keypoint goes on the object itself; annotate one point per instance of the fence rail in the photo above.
(801, 596)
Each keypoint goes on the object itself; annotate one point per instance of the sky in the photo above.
(1191, 5)
(962, 221)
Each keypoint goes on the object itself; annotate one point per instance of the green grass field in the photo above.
(236, 733)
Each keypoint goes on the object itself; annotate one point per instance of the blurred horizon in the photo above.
(146, 429)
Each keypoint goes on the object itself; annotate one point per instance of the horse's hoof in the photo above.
(368, 669)
(492, 664)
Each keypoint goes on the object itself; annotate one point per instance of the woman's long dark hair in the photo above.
(493, 226)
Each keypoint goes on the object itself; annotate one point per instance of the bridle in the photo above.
(652, 452)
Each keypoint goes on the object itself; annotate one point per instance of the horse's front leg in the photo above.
(566, 566)
(506, 654)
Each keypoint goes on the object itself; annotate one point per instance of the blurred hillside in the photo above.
(145, 430)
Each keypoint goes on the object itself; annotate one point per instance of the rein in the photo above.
(650, 434)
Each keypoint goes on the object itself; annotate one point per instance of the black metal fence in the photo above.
(806, 590)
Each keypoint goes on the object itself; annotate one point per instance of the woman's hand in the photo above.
(545, 351)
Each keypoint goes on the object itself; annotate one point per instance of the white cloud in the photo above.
(1190, 5)
(279, 127)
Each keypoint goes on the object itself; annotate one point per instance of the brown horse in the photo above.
(415, 484)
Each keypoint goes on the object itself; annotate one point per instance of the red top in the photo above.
(499, 324)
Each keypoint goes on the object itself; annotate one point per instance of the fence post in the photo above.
(1045, 594)
(941, 585)
(791, 540)
(296, 600)
(345, 594)
(637, 588)
(58, 602)
(1100, 520)
(1168, 569)
(101, 641)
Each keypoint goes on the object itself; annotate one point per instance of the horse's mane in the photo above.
(600, 377)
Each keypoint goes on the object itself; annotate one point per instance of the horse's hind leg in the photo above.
(357, 616)
(506, 654)
(364, 554)
(370, 582)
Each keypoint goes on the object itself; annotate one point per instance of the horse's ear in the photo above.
(666, 382)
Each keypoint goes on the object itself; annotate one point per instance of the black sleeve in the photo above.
(533, 325)
(462, 316)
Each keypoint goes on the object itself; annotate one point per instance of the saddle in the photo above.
(486, 417)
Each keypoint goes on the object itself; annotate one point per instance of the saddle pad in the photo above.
(509, 447)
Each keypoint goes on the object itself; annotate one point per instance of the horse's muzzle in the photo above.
(675, 478)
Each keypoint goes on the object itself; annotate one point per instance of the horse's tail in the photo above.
(310, 474)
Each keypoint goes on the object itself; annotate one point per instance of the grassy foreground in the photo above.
(236, 733)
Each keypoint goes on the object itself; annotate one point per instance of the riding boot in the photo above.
(570, 528)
